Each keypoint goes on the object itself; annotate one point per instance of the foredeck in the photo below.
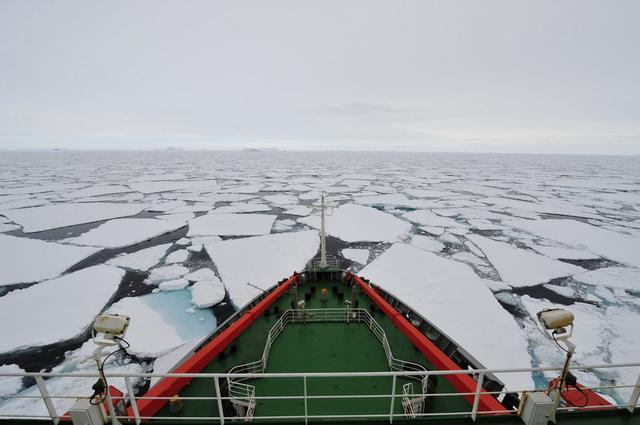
(318, 347)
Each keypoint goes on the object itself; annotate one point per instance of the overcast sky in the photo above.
(495, 76)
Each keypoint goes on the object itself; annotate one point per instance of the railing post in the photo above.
(634, 396)
(112, 410)
(219, 399)
(393, 398)
(132, 400)
(47, 400)
(476, 397)
(306, 412)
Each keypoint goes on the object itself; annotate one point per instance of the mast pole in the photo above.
(323, 242)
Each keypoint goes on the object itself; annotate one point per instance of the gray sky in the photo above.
(497, 76)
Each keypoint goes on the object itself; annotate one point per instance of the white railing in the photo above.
(242, 394)
(54, 414)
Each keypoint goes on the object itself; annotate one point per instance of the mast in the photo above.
(323, 242)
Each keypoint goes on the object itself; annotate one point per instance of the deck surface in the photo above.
(319, 347)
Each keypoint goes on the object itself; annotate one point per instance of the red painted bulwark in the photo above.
(462, 383)
(582, 397)
(168, 387)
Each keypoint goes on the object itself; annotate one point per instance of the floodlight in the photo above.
(107, 327)
(557, 320)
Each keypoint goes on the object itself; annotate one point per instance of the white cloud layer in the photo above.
(376, 75)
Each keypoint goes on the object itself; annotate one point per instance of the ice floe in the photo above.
(564, 253)
(26, 260)
(392, 199)
(613, 245)
(201, 274)
(178, 256)
(241, 208)
(126, 231)
(207, 293)
(173, 285)
(428, 218)
(141, 260)
(47, 217)
(159, 323)
(356, 223)
(588, 335)
(167, 186)
(231, 224)
(97, 191)
(60, 388)
(261, 261)
(427, 243)
(355, 254)
(168, 361)
(162, 274)
(75, 299)
(455, 299)
(10, 385)
(520, 267)
(614, 277)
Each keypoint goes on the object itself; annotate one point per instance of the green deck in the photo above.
(338, 347)
(319, 347)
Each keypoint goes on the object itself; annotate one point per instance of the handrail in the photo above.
(54, 415)
(242, 394)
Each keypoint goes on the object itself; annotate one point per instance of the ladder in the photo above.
(250, 409)
(412, 406)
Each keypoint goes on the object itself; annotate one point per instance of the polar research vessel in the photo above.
(328, 346)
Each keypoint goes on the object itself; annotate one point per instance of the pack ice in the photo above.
(271, 258)
(451, 296)
(74, 300)
(26, 260)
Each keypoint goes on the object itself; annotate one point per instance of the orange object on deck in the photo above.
(581, 397)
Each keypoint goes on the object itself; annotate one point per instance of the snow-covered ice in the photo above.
(173, 285)
(162, 274)
(207, 293)
(520, 267)
(356, 223)
(589, 334)
(10, 385)
(63, 387)
(75, 299)
(428, 218)
(200, 274)
(231, 224)
(166, 362)
(30, 260)
(241, 208)
(451, 296)
(613, 245)
(159, 322)
(614, 277)
(141, 260)
(62, 215)
(356, 254)
(126, 231)
(261, 261)
(427, 243)
(178, 256)
(97, 191)
(506, 199)
(166, 186)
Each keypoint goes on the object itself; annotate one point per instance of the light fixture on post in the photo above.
(556, 321)
(108, 330)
